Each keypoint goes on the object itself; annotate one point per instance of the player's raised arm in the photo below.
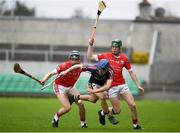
(90, 53)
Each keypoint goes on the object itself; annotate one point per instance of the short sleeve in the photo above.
(61, 67)
(100, 56)
(127, 64)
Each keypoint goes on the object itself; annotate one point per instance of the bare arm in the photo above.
(134, 78)
(103, 88)
(71, 68)
(47, 76)
(90, 54)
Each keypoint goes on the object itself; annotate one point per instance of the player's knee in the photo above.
(116, 111)
(80, 104)
(102, 98)
(132, 105)
(67, 108)
(93, 100)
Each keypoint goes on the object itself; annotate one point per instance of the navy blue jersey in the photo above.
(95, 77)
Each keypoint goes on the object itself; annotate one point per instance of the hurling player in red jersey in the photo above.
(64, 86)
(99, 82)
(118, 61)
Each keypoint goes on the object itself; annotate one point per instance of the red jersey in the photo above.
(70, 78)
(117, 64)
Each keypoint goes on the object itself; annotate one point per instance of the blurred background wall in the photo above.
(151, 41)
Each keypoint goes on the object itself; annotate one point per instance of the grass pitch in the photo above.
(35, 115)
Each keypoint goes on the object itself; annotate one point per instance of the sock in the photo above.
(83, 122)
(105, 113)
(102, 112)
(56, 116)
(113, 112)
(135, 122)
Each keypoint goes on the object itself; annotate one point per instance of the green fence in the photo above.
(17, 83)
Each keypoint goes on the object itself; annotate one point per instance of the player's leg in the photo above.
(103, 102)
(116, 108)
(61, 93)
(128, 97)
(82, 111)
(66, 107)
(104, 106)
(71, 98)
(91, 98)
(113, 94)
(105, 110)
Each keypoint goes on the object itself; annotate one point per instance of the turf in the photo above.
(35, 115)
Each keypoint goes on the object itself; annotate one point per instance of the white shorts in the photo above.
(62, 89)
(117, 90)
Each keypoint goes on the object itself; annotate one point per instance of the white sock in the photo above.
(56, 117)
(135, 125)
(83, 122)
(102, 112)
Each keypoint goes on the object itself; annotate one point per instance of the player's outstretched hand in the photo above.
(141, 89)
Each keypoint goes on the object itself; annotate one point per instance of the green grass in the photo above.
(35, 114)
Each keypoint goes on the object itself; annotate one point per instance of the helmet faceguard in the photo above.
(74, 55)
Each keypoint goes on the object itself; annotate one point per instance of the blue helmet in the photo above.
(102, 64)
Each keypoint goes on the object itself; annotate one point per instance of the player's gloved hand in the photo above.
(91, 41)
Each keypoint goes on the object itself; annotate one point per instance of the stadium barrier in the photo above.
(19, 84)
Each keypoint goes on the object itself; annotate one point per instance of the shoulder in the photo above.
(65, 64)
(124, 56)
(105, 54)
